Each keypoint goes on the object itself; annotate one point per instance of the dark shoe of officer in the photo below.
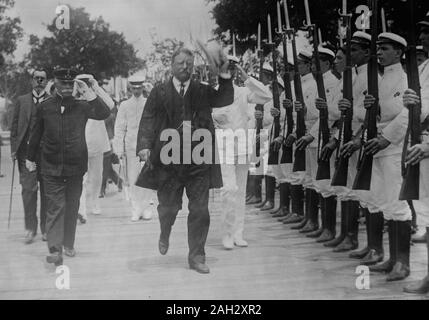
(401, 269)
(260, 205)
(373, 257)
(29, 237)
(294, 218)
(310, 226)
(56, 258)
(69, 252)
(199, 267)
(81, 219)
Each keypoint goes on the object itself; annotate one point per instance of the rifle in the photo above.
(345, 129)
(299, 162)
(273, 157)
(411, 173)
(259, 107)
(323, 168)
(287, 152)
(364, 168)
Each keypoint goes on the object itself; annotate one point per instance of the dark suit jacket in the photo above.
(64, 151)
(21, 121)
(158, 115)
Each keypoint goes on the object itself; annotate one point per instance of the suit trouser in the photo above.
(233, 198)
(108, 172)
(62, 195)
(92, 182)
(196, 180)
(29, 184)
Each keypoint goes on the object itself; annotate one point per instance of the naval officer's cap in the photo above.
(136, 81)
(65, 74)
(391, 38)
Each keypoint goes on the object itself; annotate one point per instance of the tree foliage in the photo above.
(242, 17)
(89, 46)
(10, 30)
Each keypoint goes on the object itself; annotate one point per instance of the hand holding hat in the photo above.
(218, 62)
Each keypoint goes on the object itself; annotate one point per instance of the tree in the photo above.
(242, 17)
(89, 46)
(10, 30)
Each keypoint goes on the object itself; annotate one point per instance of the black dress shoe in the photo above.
(254, 200)
(269, 205)
(421, 287)
(260, 205)
(348, 244)
(335, 242)
(199, 267)
(300, 225)
(326, 235)
(310, 226)
(386, 266)
(29, 237)
(359, 254)
(69, 252)
(55, 258)
(399, 272)
(163, 246)
(315, 234)
(373, 257)
(294, 218)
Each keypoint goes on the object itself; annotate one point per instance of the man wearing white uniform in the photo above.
(297, 179)
(97, 143)
(230, 122)
(125, 143)
(386, 149)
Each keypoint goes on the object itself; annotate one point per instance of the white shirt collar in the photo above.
(38, 95)
(177, 84)
(362, 68)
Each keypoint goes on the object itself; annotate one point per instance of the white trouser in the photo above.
(386, 183)
(91, 183)
(233, 198)
(324, 186)
(140, 197)
(310, 167)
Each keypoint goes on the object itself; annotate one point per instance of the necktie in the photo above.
(182, 89)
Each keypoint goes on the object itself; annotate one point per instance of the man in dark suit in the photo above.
(23, 113)
(60, 123)
(169, 105)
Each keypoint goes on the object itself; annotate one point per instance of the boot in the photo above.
(270, 189)
(344, 216)
(313, 213)
(297, 196)
(401, 269)
(350, 241)
(306, 208)
(387, 266)
(250, 186)
(284, 200)
(376, 252)
(330, 208)
(359, 254)
(421, 287)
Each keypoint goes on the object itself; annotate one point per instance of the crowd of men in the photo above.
(60, 141)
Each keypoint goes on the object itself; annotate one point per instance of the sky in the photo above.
(136, 19)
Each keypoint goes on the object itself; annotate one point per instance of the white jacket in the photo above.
(127, 125)
(238, 115)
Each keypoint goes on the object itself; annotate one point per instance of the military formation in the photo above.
(346, 128)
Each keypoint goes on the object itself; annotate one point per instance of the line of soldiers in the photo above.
(304, 197)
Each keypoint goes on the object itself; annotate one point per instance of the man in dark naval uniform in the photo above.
(60, 123)
(23, 113)
(175, 104)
